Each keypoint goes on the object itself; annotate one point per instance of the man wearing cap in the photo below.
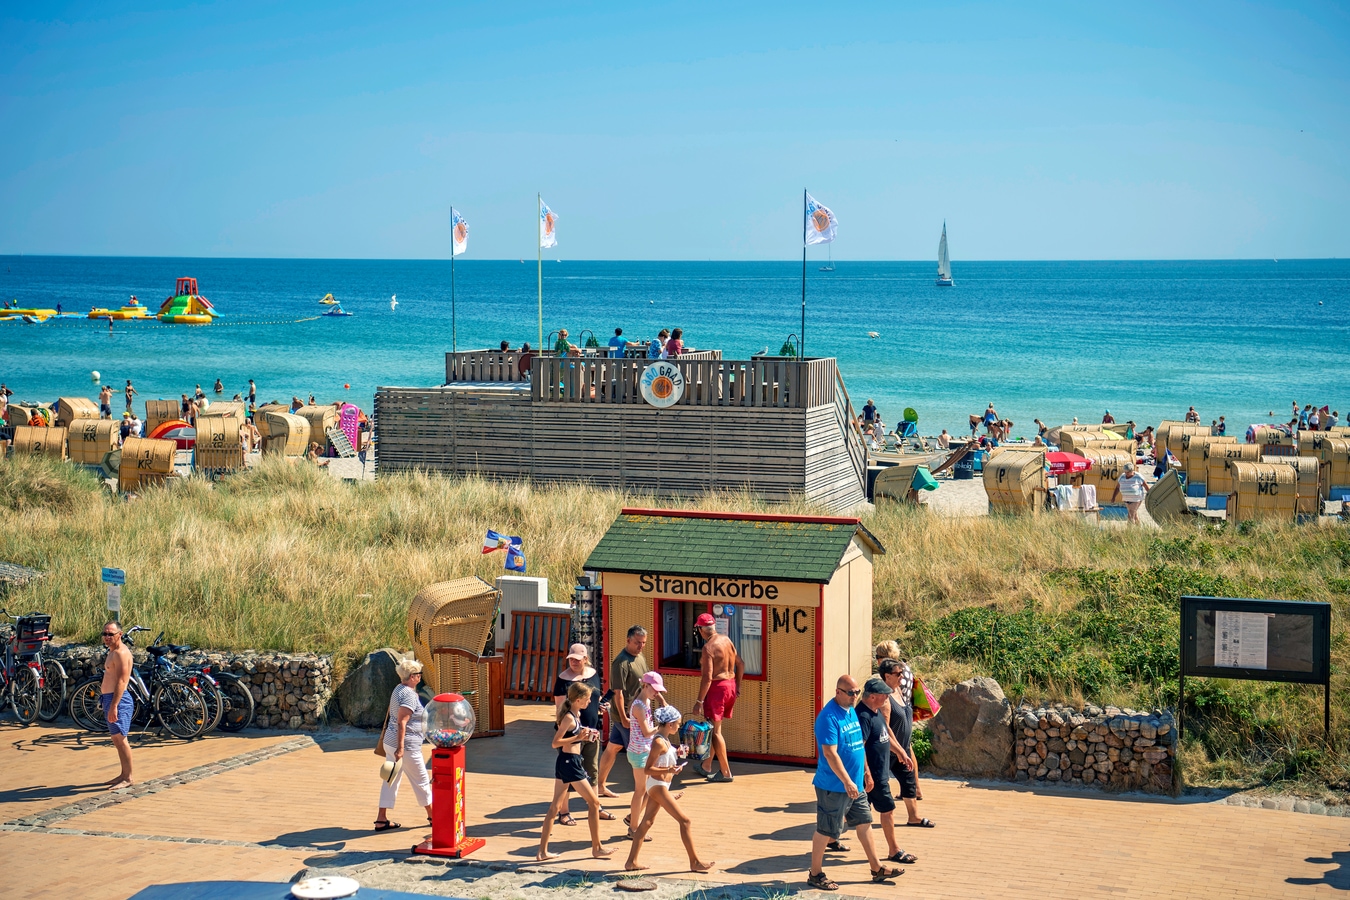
(721, 669)
(841, 783)
(625, 681)
(879, 743)
(1131, 488)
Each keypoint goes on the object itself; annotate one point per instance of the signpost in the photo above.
(1257, 640)
(114, 579)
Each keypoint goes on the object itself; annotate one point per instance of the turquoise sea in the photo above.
(1038, 339)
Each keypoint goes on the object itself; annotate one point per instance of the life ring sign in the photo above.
(662, 384)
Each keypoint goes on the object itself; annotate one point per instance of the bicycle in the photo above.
(20, 678)
(30, 632)
(232, 707)
(159, 694)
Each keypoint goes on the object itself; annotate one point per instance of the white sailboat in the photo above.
(829, 266)
(944, 278)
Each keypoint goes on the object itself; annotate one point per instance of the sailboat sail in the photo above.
(944, 265)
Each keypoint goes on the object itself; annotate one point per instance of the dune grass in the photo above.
(286, 557)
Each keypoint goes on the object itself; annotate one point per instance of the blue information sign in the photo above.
(114, 576)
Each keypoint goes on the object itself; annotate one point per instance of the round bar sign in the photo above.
(662, 384)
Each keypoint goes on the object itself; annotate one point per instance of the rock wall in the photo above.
(1116, 749)
(291, 690)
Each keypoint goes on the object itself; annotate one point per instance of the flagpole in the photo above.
(454, 335)
(801, 340)
(538, 214)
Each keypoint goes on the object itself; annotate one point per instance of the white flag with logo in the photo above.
(820, 222)
(548, 226)
(459, 233)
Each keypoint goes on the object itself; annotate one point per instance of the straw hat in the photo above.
(388, 771)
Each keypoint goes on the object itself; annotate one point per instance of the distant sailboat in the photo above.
(393, 302)
(944, 278)
(829, 266)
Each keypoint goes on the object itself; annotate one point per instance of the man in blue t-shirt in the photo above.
(841, 782)
(617, 345)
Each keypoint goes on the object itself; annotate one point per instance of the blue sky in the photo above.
(676, 131)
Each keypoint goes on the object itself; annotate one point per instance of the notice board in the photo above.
(1263, 640)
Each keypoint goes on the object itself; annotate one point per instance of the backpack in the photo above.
(697, 736)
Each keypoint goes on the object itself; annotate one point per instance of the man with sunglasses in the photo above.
(842, 780)
(117, 702)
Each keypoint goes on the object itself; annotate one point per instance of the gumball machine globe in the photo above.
(450, 721)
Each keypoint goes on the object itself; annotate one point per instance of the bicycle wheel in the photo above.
(215, 703)
(239, 706)
(25, 694)
(180, 708)
(54, 683)
(85, 705)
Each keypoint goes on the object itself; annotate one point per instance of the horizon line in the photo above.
(790, 260)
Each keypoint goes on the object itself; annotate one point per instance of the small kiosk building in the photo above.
(794, 594)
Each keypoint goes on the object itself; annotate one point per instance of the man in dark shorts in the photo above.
(840, 800)
(116, 701)
(721, 670)
(877, 743)
(904, 764)
(625, 681)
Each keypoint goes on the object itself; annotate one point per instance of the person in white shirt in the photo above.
(1131, 488)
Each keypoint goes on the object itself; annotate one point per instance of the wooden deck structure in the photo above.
(779, 428)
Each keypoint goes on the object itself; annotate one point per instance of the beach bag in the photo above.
(697, 736)
(925, 704)
(379, 740)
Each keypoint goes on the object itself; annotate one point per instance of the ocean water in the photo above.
(1051, 340)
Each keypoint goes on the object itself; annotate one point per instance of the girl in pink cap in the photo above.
(640, 740)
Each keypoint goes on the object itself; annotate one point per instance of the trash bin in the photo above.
(964, 470)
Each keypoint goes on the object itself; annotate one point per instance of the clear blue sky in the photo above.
(676, 131)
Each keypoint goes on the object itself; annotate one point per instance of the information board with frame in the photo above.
(1256, 640)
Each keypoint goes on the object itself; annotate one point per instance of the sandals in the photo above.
(566, 819)
(902, 857)
(884, 874)
(922, 823)
(607, 815)
(632, 834)
(718, 778)
(836, 847)
(821, 882)
(386, 825)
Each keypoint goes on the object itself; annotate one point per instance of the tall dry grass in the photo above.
(286, 557)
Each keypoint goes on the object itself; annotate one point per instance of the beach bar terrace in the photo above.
(778, 428)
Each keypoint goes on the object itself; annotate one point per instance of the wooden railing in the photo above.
(781, 383)
(853, 436)
(504, 365)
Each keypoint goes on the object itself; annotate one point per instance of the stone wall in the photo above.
(291, 690)
(1116, 749)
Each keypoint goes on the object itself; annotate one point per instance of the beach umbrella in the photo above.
(1062, 463)
(176, 430)
(1112, 435)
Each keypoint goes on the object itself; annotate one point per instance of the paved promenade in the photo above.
(264, 806)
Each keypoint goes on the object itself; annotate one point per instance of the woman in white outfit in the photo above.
(404, 731)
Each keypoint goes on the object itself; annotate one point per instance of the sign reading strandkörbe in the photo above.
(662, 384)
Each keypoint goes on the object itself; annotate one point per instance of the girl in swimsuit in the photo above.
(568, 771)
(662, 764)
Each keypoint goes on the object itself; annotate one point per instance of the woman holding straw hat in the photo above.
(579, 669)
(662, 763)
(405, 729)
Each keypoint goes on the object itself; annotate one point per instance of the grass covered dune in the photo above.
(286, 557)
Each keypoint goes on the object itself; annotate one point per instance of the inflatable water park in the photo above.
(185, 307)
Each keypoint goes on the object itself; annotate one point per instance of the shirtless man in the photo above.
(117, 703)
(721, 669)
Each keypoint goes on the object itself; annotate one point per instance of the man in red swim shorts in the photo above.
(720, 684)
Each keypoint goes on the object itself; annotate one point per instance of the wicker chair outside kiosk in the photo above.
(450, 624)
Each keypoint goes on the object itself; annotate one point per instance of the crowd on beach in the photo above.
(864, 738)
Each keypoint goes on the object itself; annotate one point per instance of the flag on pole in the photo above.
(515, 556)
(548, 223)
(495, 541)
(820, 222)
(459, 233)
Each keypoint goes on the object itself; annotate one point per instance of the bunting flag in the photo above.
(515, 556)
(459, 233)
(548, 224)
(820, 222)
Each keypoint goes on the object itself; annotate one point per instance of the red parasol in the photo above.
(1062, 463)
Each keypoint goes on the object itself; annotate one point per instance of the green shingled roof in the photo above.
(782, 550)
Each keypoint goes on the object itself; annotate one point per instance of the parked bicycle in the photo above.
(230, 706)
(31, 632)
(21, 671)
(160, 692)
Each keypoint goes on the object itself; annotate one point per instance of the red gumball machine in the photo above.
(450, 724)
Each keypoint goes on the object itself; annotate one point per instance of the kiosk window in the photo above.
(681, 644)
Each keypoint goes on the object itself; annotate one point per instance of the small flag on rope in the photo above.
(515, 556)
(495, 541)
(820, 222)
(548, 226)
(459, 233)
